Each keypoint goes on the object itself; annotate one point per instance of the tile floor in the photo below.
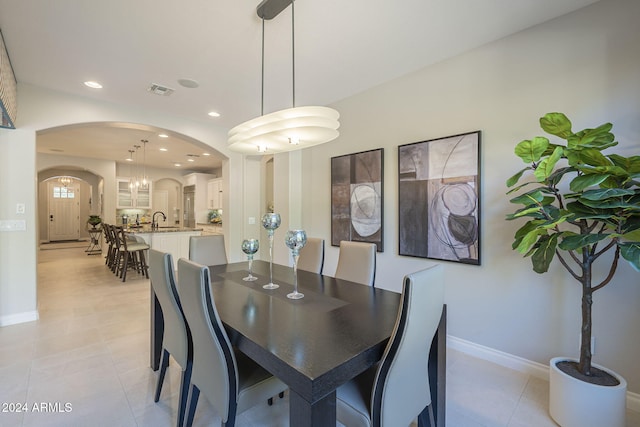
(87, 361)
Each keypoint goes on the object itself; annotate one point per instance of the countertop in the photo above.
(146, 229)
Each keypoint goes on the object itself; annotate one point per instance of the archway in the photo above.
(89, 198)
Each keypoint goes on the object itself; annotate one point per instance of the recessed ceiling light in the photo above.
(163, 149)
(163, 135)
(206, 154)
(177, 165)
(214, 114)
(190, 160)
(190, 83)
(93, 85)
(129, 159)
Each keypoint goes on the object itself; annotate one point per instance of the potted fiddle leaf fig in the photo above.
(578, 203)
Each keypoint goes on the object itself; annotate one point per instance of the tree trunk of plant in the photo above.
(584, 366)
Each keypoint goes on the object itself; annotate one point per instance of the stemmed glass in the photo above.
(271, 221)
(250, 247)
(295, 240)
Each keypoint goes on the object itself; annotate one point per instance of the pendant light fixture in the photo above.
(285, 130)
(144, 184)
(131, 177)
(137, 180)
(65, 181)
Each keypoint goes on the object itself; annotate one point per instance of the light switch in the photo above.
(20, 208)
(252, 220)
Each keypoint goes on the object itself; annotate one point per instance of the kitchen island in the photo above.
(174, 240)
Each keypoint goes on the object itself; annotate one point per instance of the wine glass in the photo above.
(295, 240)
(250, 247)
(271, 221)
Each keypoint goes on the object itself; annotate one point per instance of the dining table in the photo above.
(314, 344)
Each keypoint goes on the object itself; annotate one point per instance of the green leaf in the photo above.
(631, 252)
(515, 178)
(529, 239)
(577, 241)
(534, 196)
(632, 236)
(542, 257)
(581, 211)
(546, 166)
(530, 151)
(515, 189)
(522, 231)
(630, 164)
(607, 193)
(632, 223)
(599, 138)
(609, 204)
(590, 156)
(556, 176)
(556, 124)
(611, 170)
(526, 212)
(581, 182)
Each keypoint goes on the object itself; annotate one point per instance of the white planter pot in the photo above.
(575, 403)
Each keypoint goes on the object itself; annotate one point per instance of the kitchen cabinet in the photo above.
(132, 197)
(214, 193)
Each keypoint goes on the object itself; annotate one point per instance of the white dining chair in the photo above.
(208, 250)
(177, 337)
(312, 255)
(397, 390)
(229, 380)
(357, 262)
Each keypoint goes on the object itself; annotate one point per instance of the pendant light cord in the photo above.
(262, 88)
(293, 52)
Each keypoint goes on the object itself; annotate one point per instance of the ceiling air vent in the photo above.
(160, 90)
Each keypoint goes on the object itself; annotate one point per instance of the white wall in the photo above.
(18, 248)
(585, 64)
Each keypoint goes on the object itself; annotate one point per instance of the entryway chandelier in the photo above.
(285, 130)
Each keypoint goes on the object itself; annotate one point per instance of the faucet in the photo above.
(154, 223)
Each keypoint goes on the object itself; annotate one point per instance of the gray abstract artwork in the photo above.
(439, 212)
(356, 198)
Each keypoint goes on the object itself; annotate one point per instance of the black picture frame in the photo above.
(439, 198)
(357, 199)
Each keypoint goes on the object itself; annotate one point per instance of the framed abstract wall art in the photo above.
(438, 197)
(356, 198)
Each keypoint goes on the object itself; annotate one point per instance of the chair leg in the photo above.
(164, 363)
(185, 381)
(192, 402)
(125, 266)
(144, 268)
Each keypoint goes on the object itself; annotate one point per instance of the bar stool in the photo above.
(130, 255)
(108, 238)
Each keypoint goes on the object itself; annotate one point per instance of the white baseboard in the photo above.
(517, 363)
(13, 319)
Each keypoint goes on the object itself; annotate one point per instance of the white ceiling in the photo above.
(342, 48)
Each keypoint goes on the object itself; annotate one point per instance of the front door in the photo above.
(64, 211)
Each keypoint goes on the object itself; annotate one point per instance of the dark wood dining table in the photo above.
(314, 344)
